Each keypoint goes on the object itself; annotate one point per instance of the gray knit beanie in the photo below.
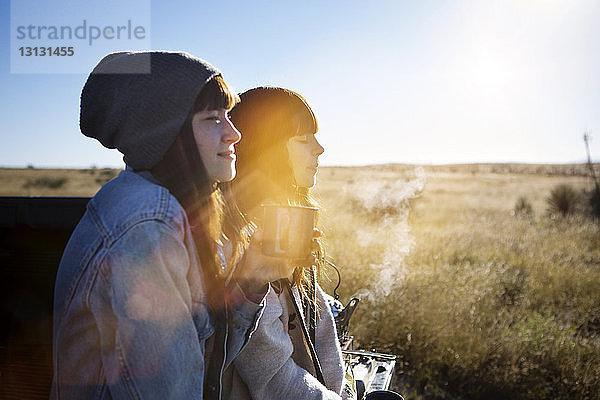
(137, 102)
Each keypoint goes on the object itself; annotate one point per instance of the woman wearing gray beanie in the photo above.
(145, 304)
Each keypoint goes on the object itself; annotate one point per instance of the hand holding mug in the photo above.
(257, 269)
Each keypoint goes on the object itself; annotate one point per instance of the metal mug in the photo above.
(288, 231)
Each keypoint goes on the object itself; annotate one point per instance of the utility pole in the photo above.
(586, 139)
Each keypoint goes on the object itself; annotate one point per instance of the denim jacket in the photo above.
(130, 311)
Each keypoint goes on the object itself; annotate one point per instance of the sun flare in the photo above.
(490, 74)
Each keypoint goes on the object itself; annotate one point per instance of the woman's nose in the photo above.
(318, 148)
(231, 134)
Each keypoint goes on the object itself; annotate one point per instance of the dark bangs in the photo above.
(303, 120)
(216, 94)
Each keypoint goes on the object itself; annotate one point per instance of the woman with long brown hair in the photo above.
(145, 306)
(294, 353)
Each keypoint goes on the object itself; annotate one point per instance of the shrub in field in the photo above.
(105, 176)
(51, 183)
(562, 200)
(109, 173)
(522, 207)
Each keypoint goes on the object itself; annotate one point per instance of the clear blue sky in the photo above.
(422, 81)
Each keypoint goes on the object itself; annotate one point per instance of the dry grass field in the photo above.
(53, 182)
(477, 301)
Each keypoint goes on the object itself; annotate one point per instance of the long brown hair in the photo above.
(267, 117)
(182, 172)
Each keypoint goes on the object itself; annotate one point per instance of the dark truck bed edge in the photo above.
(33, 234)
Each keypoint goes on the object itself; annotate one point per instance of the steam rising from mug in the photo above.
(391, 201)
